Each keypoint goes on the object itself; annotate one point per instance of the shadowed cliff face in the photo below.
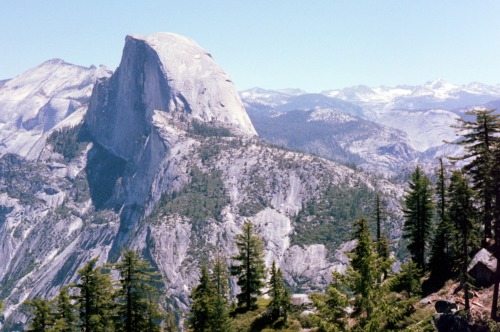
(168, 73)
(162, 73)
(121, 107)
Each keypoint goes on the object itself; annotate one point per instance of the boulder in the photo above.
(301, 301)
(445, 307)
(482, 268)
(307, 313)
(451, 323)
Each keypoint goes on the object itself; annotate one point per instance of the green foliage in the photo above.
(382, 244)
(65, 315)
(209, 308)
(220, 276)
(463, 215)
(96, 306)
(328, 220)
(139, 294)
(280, 297)
(442, 252)
(206, 129)
(43, 318)
(333, 306)
(202, 307)
(66, 141)
(95, 298)
(418, 211)
(407, 281)
(204, 197)
(250, 268)
(220, 321)
(480, 138)
(362, 275)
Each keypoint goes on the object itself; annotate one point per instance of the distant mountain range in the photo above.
(380, 129)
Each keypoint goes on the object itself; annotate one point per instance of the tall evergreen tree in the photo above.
(418, 211)
(378, 214)
(463, 214)
(220, 321)
(65, 316)
(220, 276)
(496, 195)
(43, 317)
(95, 299)
(138, 296)
(442, 256)
(250, 269)
(480, 138)
(202, 306)
(280, 298)
(334, 311)
(364, 271)
(382, 244)
(481, 141)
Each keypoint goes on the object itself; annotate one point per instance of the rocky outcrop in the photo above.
(34, 102)
(482, 268)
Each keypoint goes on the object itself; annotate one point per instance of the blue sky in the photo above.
(313, 45)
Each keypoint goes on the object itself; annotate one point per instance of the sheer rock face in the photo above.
(159, 73)
(163, 72)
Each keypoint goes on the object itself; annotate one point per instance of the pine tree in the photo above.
(280, 298)
(251, 269)
(364, 272)
(382, 244)
(463, 214)
(95, 299)
(408, 280)
(220, 276)
(220, 321)
(138, 295)
(337, 302)
(496, 217)
(43, 317)
(480, 138)
(481, 141)
(65, 316)
(418, 213)
(442, 256)
(202, 306)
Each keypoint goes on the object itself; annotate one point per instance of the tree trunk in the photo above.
(494, 304)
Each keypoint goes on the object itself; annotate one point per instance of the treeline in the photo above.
(380, 299)
(99, 303)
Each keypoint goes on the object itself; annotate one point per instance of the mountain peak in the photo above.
(196, 80)
(168, 73)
